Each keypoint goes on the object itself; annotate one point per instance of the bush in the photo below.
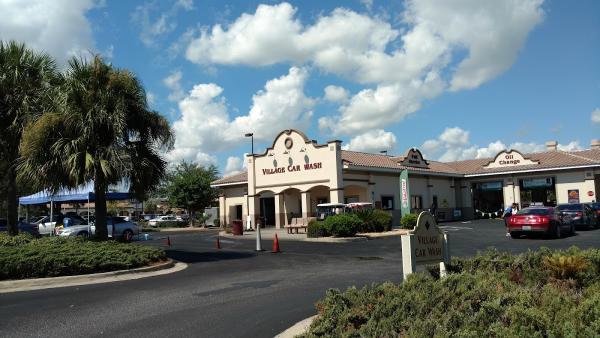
(483, 296)
(342, 225)
(23, 256)
(316, 229)
(374, 220)
(173, 224)
(408, 221)
(217, 222)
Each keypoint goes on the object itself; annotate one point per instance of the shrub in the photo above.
(26, 257)
(374, 220)
(217, 222)
(316, 229)
(342, 225)
(493, 294)
(408, 221)
(173, 224)
(565, 267)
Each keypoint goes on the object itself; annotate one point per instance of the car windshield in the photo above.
(534, 211)
(570, 207)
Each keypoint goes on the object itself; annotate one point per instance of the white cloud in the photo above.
(402, 66)
(372, 141)
(58, 27)
(596, 115)
(150, 98)
(336, 94)
(233, 166)
(152, 27)
(454, 145)
(173, 82)
(205, 125)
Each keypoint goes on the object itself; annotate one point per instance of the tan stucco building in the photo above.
(295, 174)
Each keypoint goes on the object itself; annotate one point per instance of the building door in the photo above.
(537, 191)
(238, 212)
(488, 198)
(267, 210)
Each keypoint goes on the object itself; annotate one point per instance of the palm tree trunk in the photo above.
(100, 206)
(11, 202)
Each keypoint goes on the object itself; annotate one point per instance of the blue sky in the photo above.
(462, 79)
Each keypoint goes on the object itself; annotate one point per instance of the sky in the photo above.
(458, 79)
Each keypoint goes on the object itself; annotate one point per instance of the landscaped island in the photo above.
(24, 256)
(540, 293)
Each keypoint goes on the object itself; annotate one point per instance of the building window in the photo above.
(387, 202)
(416, 202)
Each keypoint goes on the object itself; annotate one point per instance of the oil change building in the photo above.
(295, 174)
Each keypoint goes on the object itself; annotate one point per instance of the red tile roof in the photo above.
(547, 160)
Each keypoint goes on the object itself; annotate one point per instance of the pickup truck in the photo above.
(118, 228)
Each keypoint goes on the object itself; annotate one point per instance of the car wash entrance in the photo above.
(488, 197)
(537, 191)
(267, 211)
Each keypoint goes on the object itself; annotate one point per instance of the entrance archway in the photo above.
(292, 204)
(266, 204)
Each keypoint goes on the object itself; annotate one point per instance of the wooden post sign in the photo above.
(425, 244)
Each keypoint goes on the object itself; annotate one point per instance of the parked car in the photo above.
(546, 220)
(581, 215)
(47, 227)
(30, 228)
(118, 228)
(155, 222)
(596, 210)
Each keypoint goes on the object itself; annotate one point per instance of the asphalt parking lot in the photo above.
(236, 292)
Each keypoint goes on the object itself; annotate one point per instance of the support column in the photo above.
(279, 211)
(336, 195)
(253, 210)
(222, 211)
(305, 199)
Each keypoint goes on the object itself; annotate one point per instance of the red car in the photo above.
(546, 220)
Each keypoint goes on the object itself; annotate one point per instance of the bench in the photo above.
(298, 223)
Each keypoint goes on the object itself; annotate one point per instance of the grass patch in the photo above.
(540, 293)
(24, 256)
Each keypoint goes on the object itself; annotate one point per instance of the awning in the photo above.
(81, 194)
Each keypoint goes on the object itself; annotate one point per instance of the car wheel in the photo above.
(557, 233)
(127, 235)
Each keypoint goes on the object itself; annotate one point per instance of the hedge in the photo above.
(491, 295)
(374, 220)
(24, 256)
(342, 225)
(317, 229)
(408, 221)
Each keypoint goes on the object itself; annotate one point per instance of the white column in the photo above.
(305, 199)
(253, 209)
(336, 195)
(222, 211)
(279, 211)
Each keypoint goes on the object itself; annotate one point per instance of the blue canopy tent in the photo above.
(81, 194)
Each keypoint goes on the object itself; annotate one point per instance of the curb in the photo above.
(301, 239)
(170, 266)
(298, 328)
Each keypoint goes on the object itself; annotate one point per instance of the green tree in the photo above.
(27, 83)
(189, 187)
(103, 132)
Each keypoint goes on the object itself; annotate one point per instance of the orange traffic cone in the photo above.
(218, 243)
(169, 241)
(276, 245)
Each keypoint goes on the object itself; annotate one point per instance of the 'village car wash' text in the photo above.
(292, 168)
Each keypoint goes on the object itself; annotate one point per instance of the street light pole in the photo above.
(258, 239)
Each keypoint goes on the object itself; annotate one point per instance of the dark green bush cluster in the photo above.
(342, 225)
(317, 229)
(408, 221)
(491, 295)
(26, 257)
(374, 220)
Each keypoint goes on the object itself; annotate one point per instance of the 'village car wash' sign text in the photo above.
(426, 244)
(292, 168)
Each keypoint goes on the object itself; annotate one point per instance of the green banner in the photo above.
(404, 193)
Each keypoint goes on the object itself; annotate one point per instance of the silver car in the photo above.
(118, 228)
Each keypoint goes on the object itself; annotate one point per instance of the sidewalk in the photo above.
(282, 234)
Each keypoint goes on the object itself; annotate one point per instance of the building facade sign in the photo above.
(509, 158)
(292, 168)
(573, 196)
(404, 193)
(414, 158)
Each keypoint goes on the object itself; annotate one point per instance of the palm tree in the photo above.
(27, 81)
(103, 132)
